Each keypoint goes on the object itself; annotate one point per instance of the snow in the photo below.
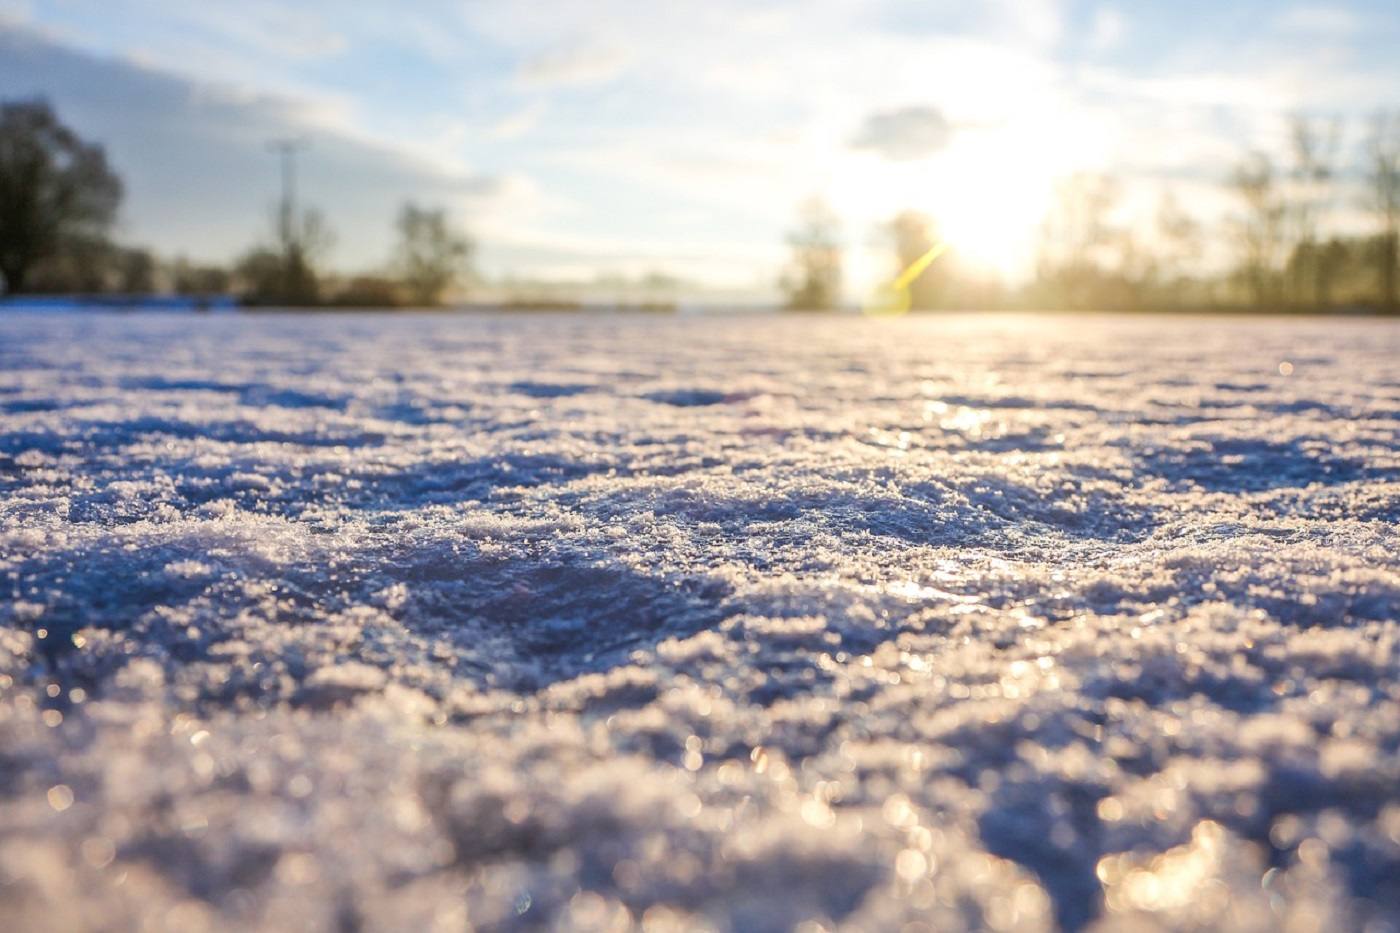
(738, 623)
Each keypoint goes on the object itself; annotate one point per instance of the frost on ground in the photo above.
(429, 623)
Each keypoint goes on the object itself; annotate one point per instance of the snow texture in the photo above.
(734, 623)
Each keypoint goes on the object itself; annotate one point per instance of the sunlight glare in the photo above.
(895, 298)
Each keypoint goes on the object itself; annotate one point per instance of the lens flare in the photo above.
(895, 298)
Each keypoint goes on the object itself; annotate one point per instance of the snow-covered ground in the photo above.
(428, 623)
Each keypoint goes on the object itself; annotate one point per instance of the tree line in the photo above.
(59, 198)
(1314, 228)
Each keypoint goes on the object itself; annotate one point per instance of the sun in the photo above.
(987, 195)
(989, 207)
(989, 230)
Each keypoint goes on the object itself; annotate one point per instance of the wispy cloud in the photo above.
(571, 65)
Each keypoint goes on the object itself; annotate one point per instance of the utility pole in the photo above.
(287, 150)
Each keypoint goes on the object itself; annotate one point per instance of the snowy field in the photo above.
(437, 623)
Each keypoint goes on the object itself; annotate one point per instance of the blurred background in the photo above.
(1053, 153)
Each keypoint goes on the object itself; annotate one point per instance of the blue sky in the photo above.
(612, 135)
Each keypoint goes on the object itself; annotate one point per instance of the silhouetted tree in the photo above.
(1179, 244)
(56, 191)
(369, 291)
(1083, 256)
(136, 272)
(286, 274)
(1383, 182)
(1259, 232)
(912, 234)
(431, 257)
(186, 278)
(1311, 267)
(813, 279)
(85, 265)
(658, 290)
(260, 277)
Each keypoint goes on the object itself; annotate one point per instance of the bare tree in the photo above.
(55, 190)
(432, 257)
(1259, 231)
(1179, 236)
(1383, 182)
(136, 272)
(813, 279)
(1315, 143)
(286, 274)
(1080, 248)
(187, 278)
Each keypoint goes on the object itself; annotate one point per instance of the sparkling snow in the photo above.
(440, 622)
